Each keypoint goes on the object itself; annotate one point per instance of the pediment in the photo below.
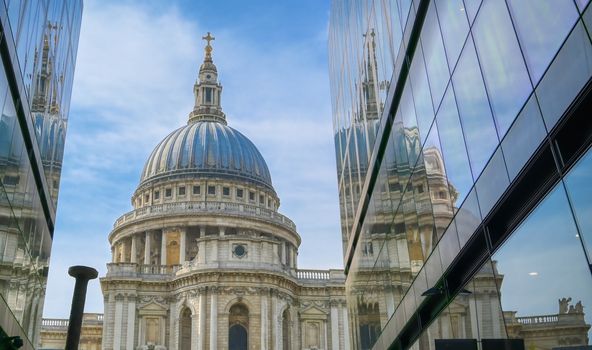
(152, 308)
(313, 312)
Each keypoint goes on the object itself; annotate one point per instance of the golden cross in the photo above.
(208, 38)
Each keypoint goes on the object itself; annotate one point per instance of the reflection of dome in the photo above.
(207, 148)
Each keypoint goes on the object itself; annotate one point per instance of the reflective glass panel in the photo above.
(493, 182)
(453, 150)
(579, 186)
(454, 25)
(542, 26)
(503, 68)
(568, 73)
(543, 278)
(435, 56)
(524, 137)
(474, 110)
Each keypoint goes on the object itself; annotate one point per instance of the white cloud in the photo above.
(135, 71)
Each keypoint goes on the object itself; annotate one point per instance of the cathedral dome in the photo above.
(207, 148)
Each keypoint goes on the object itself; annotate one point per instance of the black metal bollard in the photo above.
(82, 274)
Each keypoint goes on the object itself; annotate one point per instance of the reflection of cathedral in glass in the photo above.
(205, 260)
(39, 42)
(448, 227)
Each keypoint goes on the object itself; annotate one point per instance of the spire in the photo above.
(207, 89)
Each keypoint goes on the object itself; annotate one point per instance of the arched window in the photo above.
(185, 330)
(238, 327)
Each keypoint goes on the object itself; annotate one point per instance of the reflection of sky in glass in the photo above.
(569, 72)
(453, 148)
(542, 26)
(523, 138)
(435, 57)
(503, 67)
(455, 27)
(421, 94)
(545, 243)
(579, 186)
(474, 111)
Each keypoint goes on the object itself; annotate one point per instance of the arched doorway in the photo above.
(185, 330)
(238, 327)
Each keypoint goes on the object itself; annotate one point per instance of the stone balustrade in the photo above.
(205, 207)
(543, 319)
(60, 323)
(133, 270)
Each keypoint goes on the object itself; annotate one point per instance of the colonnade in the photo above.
(150, 247)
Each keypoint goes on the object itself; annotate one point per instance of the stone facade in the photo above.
(54, 331)
(205, 260)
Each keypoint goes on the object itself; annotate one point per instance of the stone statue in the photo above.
(579, 308)
(563, 305)
(572, 310)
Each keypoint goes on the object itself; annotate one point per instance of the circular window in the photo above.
(208, 76)
(239, 250)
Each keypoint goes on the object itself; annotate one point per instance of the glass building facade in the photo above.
(465, 171)
(38, 44)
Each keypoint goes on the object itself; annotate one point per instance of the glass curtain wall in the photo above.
(447, 102)
(39, 42)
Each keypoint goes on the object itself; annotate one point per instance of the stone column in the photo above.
(222, 230)
(133, 253)
(201, 336)
(264, 319)
(283, 254)
(276, 320)
(194, 331)
(346, 342)
(182, 246)
(118, 326)
(147, 247)
(214, 320)
(131, 320)
(163, 257)
(334, 326)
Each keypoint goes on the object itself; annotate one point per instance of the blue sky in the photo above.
(137, 62)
